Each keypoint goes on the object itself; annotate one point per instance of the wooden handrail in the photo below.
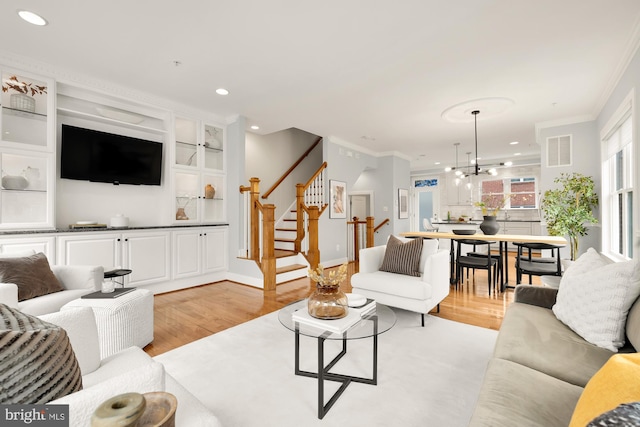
(315, 175)
(379, 226)
(286, 174)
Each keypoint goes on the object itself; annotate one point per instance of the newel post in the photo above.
(268, 261)
(370, 232)
(255, 219)
(356, 239)
(313, 255)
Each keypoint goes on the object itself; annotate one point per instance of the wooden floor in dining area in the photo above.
(190, 314)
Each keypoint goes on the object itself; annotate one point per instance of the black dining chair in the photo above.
(498, 257)
(486, 262)
(526, 264)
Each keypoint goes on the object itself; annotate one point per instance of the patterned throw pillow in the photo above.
(31, 274)
(402, 258)
(37, 363)
(595, 302)
(625, 415)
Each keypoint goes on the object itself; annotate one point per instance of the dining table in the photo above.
(501, 239)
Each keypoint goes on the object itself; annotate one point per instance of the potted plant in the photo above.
(25, 91)
(568, 208)
(490, 207)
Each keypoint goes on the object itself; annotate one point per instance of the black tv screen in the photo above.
(91, 155)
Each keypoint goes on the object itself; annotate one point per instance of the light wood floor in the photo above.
(194, 313)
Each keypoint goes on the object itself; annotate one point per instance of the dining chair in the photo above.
(486, 262)
(482, 252)
(537, 266)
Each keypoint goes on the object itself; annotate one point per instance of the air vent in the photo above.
(559, 151)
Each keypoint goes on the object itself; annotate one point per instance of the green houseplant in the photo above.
(568, 208)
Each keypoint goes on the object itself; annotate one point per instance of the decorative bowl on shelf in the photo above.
(464, 232)
(14, 182)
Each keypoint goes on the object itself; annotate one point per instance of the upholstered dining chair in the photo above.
(486, 262)
(537, 266)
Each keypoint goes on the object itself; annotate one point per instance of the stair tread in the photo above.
(283, 253)
(288, 268)
(286, 229)
(284, 240)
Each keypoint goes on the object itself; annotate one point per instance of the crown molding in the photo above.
(561, 122)
(632, 47)
(339, 141)
(71, 78)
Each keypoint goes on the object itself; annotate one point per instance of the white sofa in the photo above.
(419, 294)
(130, 370)
(77, 280)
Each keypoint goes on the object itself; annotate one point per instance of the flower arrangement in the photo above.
(330, 279)
(491, 204)
(23, 87)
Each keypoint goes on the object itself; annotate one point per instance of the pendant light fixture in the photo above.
(477, 169)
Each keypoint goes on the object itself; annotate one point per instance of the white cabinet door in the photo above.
(44, 244)
(187, 253)
(215, 249)
(147, 255)
(90, 249)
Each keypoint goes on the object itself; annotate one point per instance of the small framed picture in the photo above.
(338, 194)
(403, 203)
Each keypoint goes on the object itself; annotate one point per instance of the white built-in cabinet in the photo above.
(27, 150)
(37, 243)
(198, 172)
(146, 253)
(199, 251)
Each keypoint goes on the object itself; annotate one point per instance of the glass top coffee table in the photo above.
(370, 325)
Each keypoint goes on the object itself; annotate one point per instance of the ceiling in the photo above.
(378, 74)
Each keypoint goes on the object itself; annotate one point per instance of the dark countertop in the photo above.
(100, 229)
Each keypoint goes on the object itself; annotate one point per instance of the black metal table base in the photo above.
(323, 373)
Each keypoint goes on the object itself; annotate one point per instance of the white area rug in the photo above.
(427, 376)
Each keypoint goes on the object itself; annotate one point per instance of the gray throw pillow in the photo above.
(402, 258)
(624, 415)
(31, 274)
(37, 363)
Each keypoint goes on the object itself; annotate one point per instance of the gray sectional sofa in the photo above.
(540, 366)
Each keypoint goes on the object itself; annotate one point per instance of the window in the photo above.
(517, 193)
(617, 177)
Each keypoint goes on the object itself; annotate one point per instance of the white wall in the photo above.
(269, 156)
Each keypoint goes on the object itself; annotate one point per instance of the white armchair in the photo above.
(77, 280)
(418, 294)
(130, 370)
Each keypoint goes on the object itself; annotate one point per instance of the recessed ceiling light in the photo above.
(514, 142)
(32, 18)
(254, 127)
(448, 169)
(516, 154)
(437, 163)
(222, 91)
(508, 163)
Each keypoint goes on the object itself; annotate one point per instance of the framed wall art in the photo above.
(338, 194)
(403, 203)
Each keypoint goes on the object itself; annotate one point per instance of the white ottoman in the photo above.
(122, 322)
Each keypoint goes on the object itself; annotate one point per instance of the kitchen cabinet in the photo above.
(146, 253)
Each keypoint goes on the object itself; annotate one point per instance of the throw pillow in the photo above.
(37, 363)
(595, 304)
(590, 260)
(625, 415)
(402, 258)
(615, 383)
(429, 247)
(31, 274)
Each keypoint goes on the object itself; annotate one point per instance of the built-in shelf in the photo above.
(22, 113)
(26, 190)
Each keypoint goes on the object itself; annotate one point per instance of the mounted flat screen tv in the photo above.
(90, 155)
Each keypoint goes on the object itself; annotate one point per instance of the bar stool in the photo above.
(484, 262)
(533, 266)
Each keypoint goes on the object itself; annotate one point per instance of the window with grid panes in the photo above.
(517, 193)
